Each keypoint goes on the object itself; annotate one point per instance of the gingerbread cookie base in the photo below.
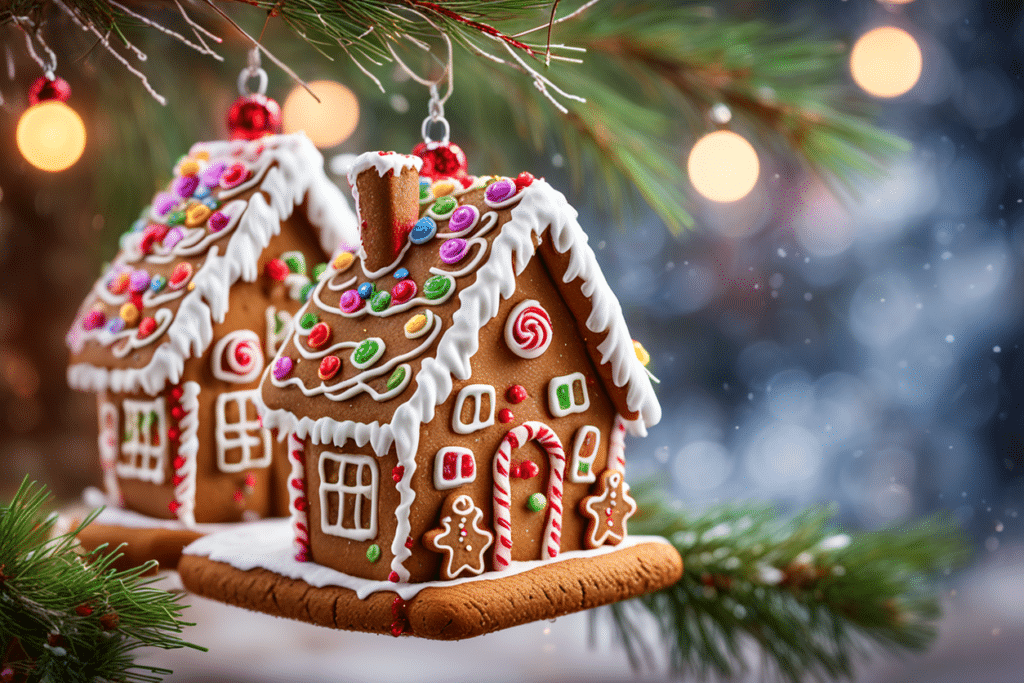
(442, 612)
(138, 545)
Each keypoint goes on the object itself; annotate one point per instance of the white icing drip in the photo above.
(188, 448)
(267, 545)
(297, 177)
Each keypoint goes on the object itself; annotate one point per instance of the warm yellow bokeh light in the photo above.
(51, 136)
(886, 62)
(723, 166)
(328, 123)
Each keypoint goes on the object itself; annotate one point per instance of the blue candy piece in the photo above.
(211, 202)
(157, 283)
(139, 225)
(423, 231)
(365, 290)
(116, 325)
(401, 273)
(202, 192)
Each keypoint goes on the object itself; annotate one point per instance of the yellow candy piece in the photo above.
(442, 188)
(189, 167)
(641, 353)
(416, 323)
(343, 260)
(191, 286)
(130, 314)
(196, 215)
(203, 155)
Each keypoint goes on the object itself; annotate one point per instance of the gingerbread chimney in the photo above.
(386, 189)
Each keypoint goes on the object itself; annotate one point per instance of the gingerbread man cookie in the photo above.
(607, 510)
(460, 537)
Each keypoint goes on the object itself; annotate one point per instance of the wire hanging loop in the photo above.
(435, 116)
(435, 107)
(252, 70)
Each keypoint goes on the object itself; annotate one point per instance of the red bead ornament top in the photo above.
(44, 90)
(253, 116)
(441, 160)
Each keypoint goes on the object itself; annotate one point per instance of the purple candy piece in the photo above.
(138, 281)
(165, 203)
(218, 221)
(500, 190)
(463, 218)
(351, 301)
(282, 367)
(174, 235)
(453, 250)
(185, 186)
(211, 176)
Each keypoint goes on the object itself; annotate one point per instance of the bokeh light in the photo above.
(51, 136)
(886, 62)
(327, 123)
(723, 166)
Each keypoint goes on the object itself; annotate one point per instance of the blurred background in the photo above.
(866, 353)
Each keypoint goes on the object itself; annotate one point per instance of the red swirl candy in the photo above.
(319, 335)
(532, 329)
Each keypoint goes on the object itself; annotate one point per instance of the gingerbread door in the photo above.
(529, 467)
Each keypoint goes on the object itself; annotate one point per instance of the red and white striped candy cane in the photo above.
(617, 445)
(542, 434)
(298, 504)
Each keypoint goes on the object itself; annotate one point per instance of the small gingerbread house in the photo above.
(457, 393)
(174, 336)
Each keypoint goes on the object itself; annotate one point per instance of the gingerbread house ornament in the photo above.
(175, 334)
(455, 396)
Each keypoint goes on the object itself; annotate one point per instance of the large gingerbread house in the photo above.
(175, 334)
(457, 393)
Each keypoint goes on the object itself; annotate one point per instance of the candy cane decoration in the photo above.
(297, 502)
(528, 431)
(617, 445)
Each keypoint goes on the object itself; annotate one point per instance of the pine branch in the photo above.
(71, 618)
(813, 601)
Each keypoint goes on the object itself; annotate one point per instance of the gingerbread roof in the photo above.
(156, 304)
(347, 371)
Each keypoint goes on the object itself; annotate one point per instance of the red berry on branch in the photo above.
(253, 116)
(110, 621)
(83, 610)
(44, 90)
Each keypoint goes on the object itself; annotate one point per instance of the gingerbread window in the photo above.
(348, 495)
(144, 441)
(568, 394)
(584, 452)
(453, 466)
(242, 443)
(474, 409)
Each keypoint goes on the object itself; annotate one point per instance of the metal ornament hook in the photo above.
(253, 69)
(436, 116)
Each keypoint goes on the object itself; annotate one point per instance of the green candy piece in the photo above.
(296, 261)
(562, 393)
(305, 292)
(445, 205)
(424, 192)
(318, 271)
(176, 218)
(537, 502)
(437, 286)
(584, 468)
(278, 323)
(366, 351)
(397, 377)
(307, 321)
(373, 553)
(380, 301)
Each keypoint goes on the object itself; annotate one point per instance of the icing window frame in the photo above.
(277, 338)
(460, 478)
(146, 461)
(589, 477)
(476, 391)
(359, 491)
(569, 380)
(244, 439)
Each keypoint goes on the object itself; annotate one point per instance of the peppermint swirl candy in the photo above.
(528, 329)
(238, 357)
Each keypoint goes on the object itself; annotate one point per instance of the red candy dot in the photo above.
(397, 628)
(516, 394)
(397, 473)
(250, 480)
(94, 319)
(177, 393)
(524, 179)
(393, 577)
(238, 496)
(179, 462)
(403, 291)
(277, 269)
(174, 506)
(180, 275)
(528, 469)
(177, 412)
(173, 434)
(319, 335)
(505, 416)
(235, 175)
(409, 542)
(300, 503)
(329, 367)
(147, 327)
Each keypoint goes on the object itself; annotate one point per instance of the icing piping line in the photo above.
(188, 450)
(298, 503)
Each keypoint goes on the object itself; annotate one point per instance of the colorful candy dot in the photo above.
(424, 190)
(329, 367)
(463, 218)
(401, 273)
(536, 502)
(516, 393)
(373, 553)
(351, 301)
(94, 319)
(196, 215)
(500, 191)
(180, 275)
(185, 186)
(397, 472)
(308, 320)
(164, 203)
(173, 237)
(436, 287)
(403, 291)
(366, 352)
(218, 221)
(415, 324)
(444, 206)
(423, 231)
(380, 301)
(234, 176)
(319, 336)
(528, 469)
(119, 283)
(365, 290)
(343, 260)
(202, 192)
(505, 416)
(454, 250)
(442, 188)
(147, 326)
(277, 269)
(296, 261)
(306, 292)
(129, 313)
(396, 378)
(138, 281)
(189, 167)
(282, 366)
(318, 271)
(212, 202)
(524, 179)
(211, 175)
(116, 325)
(641, 353)
(176, 218)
